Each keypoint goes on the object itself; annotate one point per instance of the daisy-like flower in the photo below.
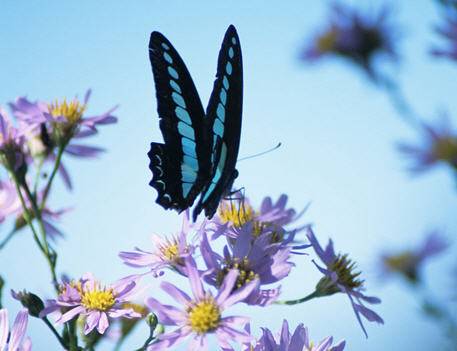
(97, 303)
(10, 205)
(50, 125)
(273, 219)
(339, 276)
(255, 258)
(298, 341)
(11, 143)
(408, 263)
(355, 37)
(201, 315)
(440, 146)
(167, 253)
(13, 340)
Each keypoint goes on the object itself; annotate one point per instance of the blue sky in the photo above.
(338, 134)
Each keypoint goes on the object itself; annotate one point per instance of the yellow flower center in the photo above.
(204, 316)
(326, 41)
(343, 267)
(72, 111)
(170, 252)
(237, 215)
(98, 299)
(246, 274)
(405, 263)
(445, 149)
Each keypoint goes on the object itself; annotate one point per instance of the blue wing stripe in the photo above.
(167, 57)
(183, 115)
(191, 163)
(218, 173)
(175, 86)
(186, 188)
(220, 112)
(178, 99)
(173, 72)
(231, 53)
(186, 130)
(225, 83)
(228, 68)
(218, 127)
(223, 96)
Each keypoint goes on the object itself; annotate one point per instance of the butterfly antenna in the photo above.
(261, 153)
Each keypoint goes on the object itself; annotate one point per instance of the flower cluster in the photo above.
(355, 37)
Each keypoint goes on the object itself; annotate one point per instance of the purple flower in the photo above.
(11, 143)
(271, 219)
(440, 145)
(355, 37)
(298, 341)
(448, 31)
(201, 315)
(10, 205)
(339, 276)
(167, 252)
(254, 258)
(51, 125)
(409, 262)
(88, 298)
(15, 341)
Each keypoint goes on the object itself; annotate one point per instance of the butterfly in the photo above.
(200, 149)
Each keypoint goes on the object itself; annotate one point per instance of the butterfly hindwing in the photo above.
(181, 165)
(223, 116)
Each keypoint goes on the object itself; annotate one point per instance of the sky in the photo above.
(338, 133)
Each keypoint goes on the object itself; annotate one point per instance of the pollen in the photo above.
(246, 274)
(98, 299)
(344, 269)
(445, 149)
(170, 251)
(72, 111)
(204, 316)
(238, 215)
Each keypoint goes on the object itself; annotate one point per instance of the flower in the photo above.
(16, 341)
(51, 125)
(168, 252)
(409, 262)
(201, 315)
(448, 30)
(11, 143)
(355, 37)
(339, 276)
(254, 258)
(11, 205)
(87, 297)
(298, 341)
(440, 146)
(271, 219)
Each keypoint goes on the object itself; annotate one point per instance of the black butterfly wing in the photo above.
(181, 165)
(223, 115)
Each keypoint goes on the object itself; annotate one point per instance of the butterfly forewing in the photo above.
(181, 165)
(223, 116)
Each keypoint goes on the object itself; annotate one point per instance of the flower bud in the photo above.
(29, 300)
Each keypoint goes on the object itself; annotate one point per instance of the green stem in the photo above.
(47, 252)
(53, 174)
(27, 216)
(72, 335)
(37, 176)
(303, 299)
(7, 239)
(55, 332)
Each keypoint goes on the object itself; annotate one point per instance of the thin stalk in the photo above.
(55, 332)
(297, 301)
(7, 239)
(37, 176)
(53, 174)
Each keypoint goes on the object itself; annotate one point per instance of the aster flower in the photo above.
(15, 341)
(168, 252)
(339, 277)
(440, 146)
(10, 205)
(254, 258)
(298, 341)
(408, 263)
(11, 143)
(97, 303)
(201, 315)
(272, 219)
(355, 37)
(51, 125)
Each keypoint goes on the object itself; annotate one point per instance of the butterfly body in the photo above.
(200, 147)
